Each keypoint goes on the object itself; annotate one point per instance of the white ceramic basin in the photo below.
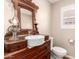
(34, 40)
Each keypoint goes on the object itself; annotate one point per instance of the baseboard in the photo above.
(69, 57)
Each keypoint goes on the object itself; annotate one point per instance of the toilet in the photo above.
(58, 52)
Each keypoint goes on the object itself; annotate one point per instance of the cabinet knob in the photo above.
(45, 47)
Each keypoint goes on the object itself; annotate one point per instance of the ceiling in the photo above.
(53, 1)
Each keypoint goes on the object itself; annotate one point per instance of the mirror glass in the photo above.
(26, 19)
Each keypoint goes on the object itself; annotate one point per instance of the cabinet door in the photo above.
(22, 45)
(45, 56)
(30, 56)
(16, 46)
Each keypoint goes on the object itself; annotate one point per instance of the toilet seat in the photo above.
(59, 49)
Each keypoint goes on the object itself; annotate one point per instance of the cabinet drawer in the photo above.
(46, 55)
(12, 47)
(25, 55)
(16, 46)
(30, 56)
(22, 44)
(43, 55)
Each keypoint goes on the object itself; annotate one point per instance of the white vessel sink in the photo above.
(34, 40)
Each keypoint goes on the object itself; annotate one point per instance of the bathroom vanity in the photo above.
(19, 50)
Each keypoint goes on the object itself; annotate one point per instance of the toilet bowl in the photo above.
(59, 52)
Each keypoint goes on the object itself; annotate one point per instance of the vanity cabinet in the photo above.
(17, 49)
(38, 52)
(15, 45)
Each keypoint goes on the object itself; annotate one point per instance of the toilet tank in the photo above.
(51, 38)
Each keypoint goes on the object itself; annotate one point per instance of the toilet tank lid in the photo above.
(59, 49)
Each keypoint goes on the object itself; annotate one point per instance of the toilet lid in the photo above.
(59, 49)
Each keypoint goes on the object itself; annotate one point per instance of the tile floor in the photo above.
(55, 58)
(52, 57)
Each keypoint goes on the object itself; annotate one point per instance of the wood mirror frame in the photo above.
(28, 5)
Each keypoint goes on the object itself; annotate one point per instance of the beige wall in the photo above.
(8, 14)
(61, 36)
(42, 16)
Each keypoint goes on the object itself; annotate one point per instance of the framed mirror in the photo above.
(26, 19)
(26, 15)
(26, 11)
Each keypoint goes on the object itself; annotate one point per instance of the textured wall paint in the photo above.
(53, 1)
(8, 14)
(61, 36)
(43, 16)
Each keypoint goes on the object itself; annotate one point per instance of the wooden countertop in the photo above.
(19, 39)
(13, 41)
